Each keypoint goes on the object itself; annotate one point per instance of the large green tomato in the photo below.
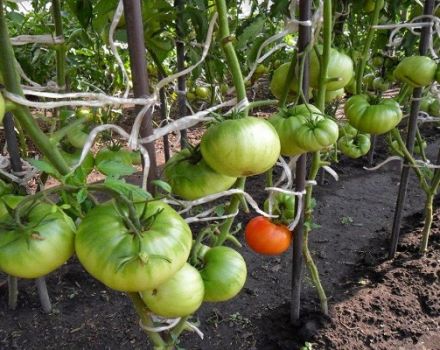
(224, 273)
(191, 178)
(287, 122)
(333, 95)
(425, 103)
(417, 71)
(127, 261)
(340, 67)
(180, 296)
(278, 80)
(434, 108)
(369, 5)
(354, 147)
(437, 74)
(2, 108)
(317, 134)
(373, 119)
(241, 147)
(44, 244)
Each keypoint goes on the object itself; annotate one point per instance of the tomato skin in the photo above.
(367, 80)
(434, 108)
(380, 84)
(369, 5)
(241, 147)
(333, 95)
(354, 147)
(224, 274)
(287, 123)
(104, 246)
(191, 179)
(2, 108)
(37, 251)
(340, 66)
(417, 71)
(179, 296)
(278, 80)
(347, 130)
(377, 61)
(267, 238)
(203, 92)
(372, 119)
(425, 103)
(318, 134)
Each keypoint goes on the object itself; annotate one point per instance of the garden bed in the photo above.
(373, 303)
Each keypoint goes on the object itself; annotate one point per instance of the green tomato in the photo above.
(191, 178)
(41, 247)
(437, 74)
(2, 108)
(191, 96)
(369, 5)
(203, 92)
(241, 147)
(348, 130)
(334, 95)
(317, 134)
(354, 147)
(84, 113)
(278, 80)
(373, 119)
(379, 84)
(224, 274)
(351, 86)
(367, 80)
(224, 88)
(77, 137)
(126, 261)
(416, 71)
(425, 103)
(340, 67)
(287, 123)
(434, 108)
(261, 69)
(377, 61)
(179, 296)
(283, 205)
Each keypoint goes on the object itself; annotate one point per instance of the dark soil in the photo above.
(374, 303)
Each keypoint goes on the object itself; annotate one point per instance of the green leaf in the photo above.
(81, 196)
(251, 32)
(44, 167)
(162, 185)
(128, 190)
(220, 210)
(84, 12)
(114, 168)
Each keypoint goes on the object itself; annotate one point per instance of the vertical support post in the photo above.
(138, 63)
(14, 153)
(410, 139)
(305, 35)
(181, 81)
(163, 116)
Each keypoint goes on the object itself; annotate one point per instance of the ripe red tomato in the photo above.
(266, 237)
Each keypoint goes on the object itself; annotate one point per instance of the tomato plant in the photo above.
(241, 147)
(191, 178)
(377, 118)
(283, 205)
(266, 237)
(133, 261)
(41, 245)
(2, 108)
(179, 296)
(224, 273)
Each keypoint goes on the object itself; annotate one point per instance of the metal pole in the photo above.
(305, 35)
(410, 140)
(138, 63)
(181, 81)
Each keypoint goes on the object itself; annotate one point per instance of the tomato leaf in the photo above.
(162, 185)
(250, 33)
(81, 196)
(126, 189)
(114, 168)
(44, 167)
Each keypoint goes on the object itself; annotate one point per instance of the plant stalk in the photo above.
(325, 58)
(365, 53)
(60, 48)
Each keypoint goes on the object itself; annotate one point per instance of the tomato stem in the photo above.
(325, 57)
(365, 53)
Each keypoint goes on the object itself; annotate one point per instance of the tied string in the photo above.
(20, 177)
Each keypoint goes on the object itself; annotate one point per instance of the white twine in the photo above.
(116, 18)
(331, 171)
(20, 177)
(169, 324)
(45, 39)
